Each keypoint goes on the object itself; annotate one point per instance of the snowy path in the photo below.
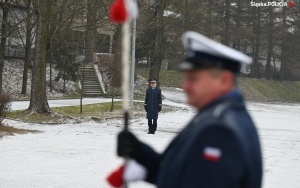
(81, 155)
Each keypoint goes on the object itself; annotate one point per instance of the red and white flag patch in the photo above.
(212, 154)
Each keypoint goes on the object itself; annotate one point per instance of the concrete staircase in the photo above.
(91, 85)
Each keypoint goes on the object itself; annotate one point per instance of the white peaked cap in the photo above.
(196, 43)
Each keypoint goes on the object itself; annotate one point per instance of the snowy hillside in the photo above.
(13, 77)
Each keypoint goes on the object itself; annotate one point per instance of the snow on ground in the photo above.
(13, 77)
(82, 155)
(279, 130)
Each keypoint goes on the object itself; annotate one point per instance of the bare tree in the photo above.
(38, 98)
(283, 66)
(117, 61)
(28, 44)
(158, 54)
(5, 6)
(91, 30)
(270, 43)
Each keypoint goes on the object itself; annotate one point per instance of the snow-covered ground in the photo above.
(82, 155)
(13, 79)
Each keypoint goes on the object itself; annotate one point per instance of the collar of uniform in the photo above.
(234, 96)
(235, 92)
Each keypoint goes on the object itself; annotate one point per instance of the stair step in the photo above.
(91, 81)
(91, 96)
(92, 88)
(92, 91)
(91, 85)
(91, 78)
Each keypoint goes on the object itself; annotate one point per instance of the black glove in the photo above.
(145, 107)
(159, 108)
(128, 145)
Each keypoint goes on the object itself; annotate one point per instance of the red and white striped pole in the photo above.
(122, 12)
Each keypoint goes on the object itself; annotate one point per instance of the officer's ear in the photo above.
(227, 79)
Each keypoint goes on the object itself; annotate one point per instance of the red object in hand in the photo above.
(118, 12)
(116, 178)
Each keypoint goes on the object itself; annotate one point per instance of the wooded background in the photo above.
(60, 32)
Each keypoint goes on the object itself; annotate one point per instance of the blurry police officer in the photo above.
(219, 148)
(153, 105)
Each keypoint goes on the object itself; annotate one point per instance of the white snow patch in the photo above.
(13, 78)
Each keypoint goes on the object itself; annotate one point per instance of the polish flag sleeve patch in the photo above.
(212, 154)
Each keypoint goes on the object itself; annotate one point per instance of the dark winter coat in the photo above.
(224, 126)
(153, 103)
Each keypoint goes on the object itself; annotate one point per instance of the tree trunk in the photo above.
(282, 74)
(49, 57)
(117, 61)
(210, 19)
(5, 10)
(27, 47)
(158, 47)
(91, 31)
(185, 15)
(64, 86)
(227, 20)
(237, 41)
(257, 30)
(270, 44)
(38, 99)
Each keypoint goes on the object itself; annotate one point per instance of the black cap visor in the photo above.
(201, 60)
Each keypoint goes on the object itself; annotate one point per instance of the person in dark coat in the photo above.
(220, 146)
(153, 105)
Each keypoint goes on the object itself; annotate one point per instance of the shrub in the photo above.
(5, 103)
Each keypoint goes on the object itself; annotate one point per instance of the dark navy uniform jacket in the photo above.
(153, 102)
(219, 148)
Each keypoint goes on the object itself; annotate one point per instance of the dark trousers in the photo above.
(152, 125)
